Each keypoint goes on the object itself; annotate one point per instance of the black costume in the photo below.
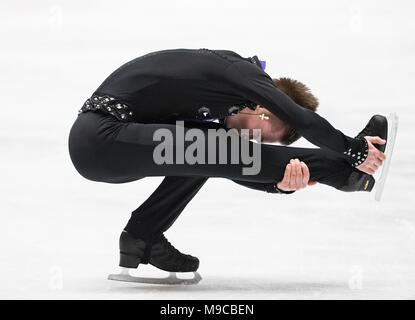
(114, 143)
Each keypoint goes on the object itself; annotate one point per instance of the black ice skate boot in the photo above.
(359, 181)
(160, 254)
(377, 126)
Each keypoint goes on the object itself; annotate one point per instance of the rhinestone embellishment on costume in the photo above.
(204, 112)
(108, 105)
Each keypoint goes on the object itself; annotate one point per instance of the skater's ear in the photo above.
(290, 137)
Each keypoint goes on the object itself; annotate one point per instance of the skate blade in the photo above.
(393, 122)
(172, 279)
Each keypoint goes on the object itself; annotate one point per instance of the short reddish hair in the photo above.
(302, 96)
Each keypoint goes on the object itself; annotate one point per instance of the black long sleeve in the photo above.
(176, 84)
(265, 187)
(256, 85)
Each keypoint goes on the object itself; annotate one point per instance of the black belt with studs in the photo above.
(109, 105)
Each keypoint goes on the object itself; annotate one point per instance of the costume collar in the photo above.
(255, 60)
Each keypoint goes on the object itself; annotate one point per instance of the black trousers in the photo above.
(107, 150)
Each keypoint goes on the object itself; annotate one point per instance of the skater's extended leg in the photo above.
(122, 152)
(165, 204)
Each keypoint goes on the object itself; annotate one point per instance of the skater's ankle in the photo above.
(358, 181)
(148, 238)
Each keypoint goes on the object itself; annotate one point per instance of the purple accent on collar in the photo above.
(263, 63)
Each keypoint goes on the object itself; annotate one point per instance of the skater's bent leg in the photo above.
(161, 209)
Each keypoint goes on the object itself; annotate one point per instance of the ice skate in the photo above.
(377, 126)
(385, 128)
(162, 255)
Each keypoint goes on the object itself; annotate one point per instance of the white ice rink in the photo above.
(59, 232)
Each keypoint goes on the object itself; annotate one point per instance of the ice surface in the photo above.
(59, 232)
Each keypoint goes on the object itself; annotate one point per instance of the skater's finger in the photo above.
(381, 155)
(365, 169)
(299, 175)
(377, 140)
(293, 175)
(312, 183)
(378, 162)
(287, 175)
(371, 169)
(291, 180)
(373, 162)
(306, 174)
(284, 183)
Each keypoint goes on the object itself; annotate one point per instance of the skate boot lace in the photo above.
(166, 243)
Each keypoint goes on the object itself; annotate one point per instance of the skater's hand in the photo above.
(296, 176)
(374, 158)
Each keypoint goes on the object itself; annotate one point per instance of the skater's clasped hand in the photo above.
(374, 158)
(296, 176)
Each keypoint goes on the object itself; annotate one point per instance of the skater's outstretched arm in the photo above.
(257, 86)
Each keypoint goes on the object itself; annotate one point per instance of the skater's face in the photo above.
(272, 128)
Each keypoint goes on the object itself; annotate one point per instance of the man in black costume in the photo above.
(112, 140)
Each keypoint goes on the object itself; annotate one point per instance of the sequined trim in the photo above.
(205, 114)
(110, 105)
(358, 157)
